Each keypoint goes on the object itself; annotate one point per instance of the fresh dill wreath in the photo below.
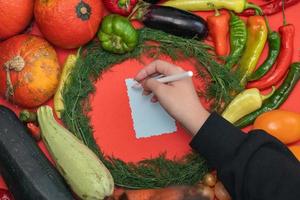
(93, 61)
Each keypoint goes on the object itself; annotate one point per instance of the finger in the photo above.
(146, 93)
(160, 67)
(154, 99)
(153, 85)
(146, 90)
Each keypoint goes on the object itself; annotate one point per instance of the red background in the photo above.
(111, 118)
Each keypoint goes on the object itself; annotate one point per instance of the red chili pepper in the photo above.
(218, 25)
(271, 7)
(287, 33)
(5, 195)
(121, 7)
(35, 131)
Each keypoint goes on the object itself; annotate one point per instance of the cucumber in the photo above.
(25, 169)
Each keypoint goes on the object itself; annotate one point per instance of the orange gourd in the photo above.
(15, 15)
(283, 125)
(68, 23)
(29, 70)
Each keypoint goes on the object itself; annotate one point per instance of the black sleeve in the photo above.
(252, 166)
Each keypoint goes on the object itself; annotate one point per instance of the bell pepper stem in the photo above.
(257, 9)
(212, 6)
(217, 13)
(283, 14)
(138, 10)
(264, 97)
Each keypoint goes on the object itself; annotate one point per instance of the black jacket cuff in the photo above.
(217, 140)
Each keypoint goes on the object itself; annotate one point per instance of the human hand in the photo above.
(178, 98)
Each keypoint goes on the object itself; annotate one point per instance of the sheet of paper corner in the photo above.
(149, 119)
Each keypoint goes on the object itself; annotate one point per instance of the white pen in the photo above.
(168, 79)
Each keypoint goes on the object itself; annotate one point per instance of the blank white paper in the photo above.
(149, 119)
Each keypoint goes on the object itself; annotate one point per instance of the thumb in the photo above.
(153, 85)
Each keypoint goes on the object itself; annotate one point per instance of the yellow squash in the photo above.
(58, 99)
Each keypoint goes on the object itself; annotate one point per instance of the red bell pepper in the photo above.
(121, 7)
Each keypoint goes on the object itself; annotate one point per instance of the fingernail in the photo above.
(137, 86)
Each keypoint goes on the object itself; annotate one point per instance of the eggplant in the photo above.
(151, 1)
(174, 21)
(25, 169)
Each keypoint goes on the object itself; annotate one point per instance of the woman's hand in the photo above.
(178, 98)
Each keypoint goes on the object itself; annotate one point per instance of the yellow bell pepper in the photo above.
(58, 101)
(245, 103)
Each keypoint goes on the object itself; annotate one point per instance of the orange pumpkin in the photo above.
(68, 23)
(29, 70)
(15, 15)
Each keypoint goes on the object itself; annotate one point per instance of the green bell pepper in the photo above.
(117, 35)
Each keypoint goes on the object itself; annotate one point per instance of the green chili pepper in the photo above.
(117, 35)
(278, 98)
(244, 103)
(238, 38)
(274, 48)
(257, 37)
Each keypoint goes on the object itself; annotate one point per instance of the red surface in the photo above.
(111, 117)
(111, 113)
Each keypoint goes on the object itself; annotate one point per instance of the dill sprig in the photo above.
(93, 61)
(223, 82)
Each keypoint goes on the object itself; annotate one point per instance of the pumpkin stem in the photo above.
(83, 11)
(17, 64)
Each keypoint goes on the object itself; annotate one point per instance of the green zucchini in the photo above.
(25, 169)
(83, 171)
